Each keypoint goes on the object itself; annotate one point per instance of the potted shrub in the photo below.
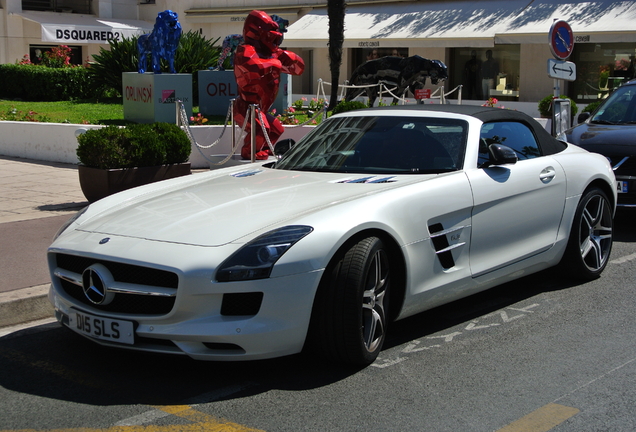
(113, 159)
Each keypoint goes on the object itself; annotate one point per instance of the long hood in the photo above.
(227, 206)
(609, 140)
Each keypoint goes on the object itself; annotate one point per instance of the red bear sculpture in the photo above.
(258, 63)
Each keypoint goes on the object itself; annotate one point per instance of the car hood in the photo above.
(608, 140)
(227, 206)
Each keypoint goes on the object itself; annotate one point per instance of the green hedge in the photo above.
(41, 83)
(137, 145)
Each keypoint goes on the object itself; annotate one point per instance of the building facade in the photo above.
(493, 48)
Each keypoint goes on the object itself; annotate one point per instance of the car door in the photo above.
(517, 207)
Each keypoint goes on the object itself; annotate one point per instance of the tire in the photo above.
(349, 320)
(590, 241)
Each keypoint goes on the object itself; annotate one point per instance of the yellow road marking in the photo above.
(541, 420)
(201, 422)
(187, 412)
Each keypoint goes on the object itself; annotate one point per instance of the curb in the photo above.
(24, 305)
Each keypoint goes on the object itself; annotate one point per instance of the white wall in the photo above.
(56, 142)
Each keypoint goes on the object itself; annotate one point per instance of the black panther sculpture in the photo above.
(406, 74)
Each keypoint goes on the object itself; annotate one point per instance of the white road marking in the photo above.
(155, 414)
(596, 379)
(411, 348)
(447, 338)
(387, 363)
(624, 259)
(525, 309)
(474, 325)
(143, 418)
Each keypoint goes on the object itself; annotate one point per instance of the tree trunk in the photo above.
(336, 13)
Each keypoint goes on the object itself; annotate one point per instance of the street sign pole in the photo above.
(561, 41)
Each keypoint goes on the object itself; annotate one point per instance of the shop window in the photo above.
(486, 72)
(69, 6)
(36, 53)
(600, 68)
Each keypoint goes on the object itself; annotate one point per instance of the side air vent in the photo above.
(443, 249)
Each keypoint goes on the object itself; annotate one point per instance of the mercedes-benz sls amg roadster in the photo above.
(374, 216)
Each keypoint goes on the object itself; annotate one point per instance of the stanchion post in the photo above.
(233, 123)
(253, 131)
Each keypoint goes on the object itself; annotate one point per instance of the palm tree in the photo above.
(336, 14)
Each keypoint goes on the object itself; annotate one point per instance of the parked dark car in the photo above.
(611, 131)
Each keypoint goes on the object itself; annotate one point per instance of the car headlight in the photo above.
(69, 222)
(256, 259)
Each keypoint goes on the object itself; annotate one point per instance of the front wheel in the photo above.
(350, 315)
(590, 241)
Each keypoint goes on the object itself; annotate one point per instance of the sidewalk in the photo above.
(36, 198)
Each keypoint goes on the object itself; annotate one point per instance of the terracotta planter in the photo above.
(98, 183)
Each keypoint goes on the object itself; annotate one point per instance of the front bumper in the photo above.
(173, 302)
(200, 331)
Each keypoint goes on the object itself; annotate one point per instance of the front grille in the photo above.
(627, 168)
(121, 272)
(127, 303)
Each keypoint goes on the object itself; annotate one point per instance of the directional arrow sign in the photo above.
(559, 69)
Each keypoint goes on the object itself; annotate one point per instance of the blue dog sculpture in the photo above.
(162, 43)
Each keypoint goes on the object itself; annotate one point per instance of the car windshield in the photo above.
(381, 145)
(620, 107)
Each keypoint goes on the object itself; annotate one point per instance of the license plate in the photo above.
(112, 330)
(622, 186)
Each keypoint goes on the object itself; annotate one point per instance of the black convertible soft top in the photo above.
(549, 144)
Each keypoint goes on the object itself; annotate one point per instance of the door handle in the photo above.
(547, 175)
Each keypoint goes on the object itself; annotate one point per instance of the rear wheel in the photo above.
(350, 314)
(590, 241)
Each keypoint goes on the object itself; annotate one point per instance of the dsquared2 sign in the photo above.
(87, 35)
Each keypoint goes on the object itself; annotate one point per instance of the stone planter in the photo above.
(98, 183)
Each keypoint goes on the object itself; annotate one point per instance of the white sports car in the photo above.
(374, 216)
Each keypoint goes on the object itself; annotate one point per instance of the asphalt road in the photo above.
(537, 354)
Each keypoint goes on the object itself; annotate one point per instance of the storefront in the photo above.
(32, 33)
(463, 34)
(459, 33)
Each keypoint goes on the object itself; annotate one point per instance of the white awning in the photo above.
(467, 23)
(68, 28)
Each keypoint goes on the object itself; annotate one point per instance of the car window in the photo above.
(381, 145)
(515, 135)
(620, 107)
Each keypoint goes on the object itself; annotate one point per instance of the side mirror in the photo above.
(583, 116)
(283, 146)
(500, 155)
